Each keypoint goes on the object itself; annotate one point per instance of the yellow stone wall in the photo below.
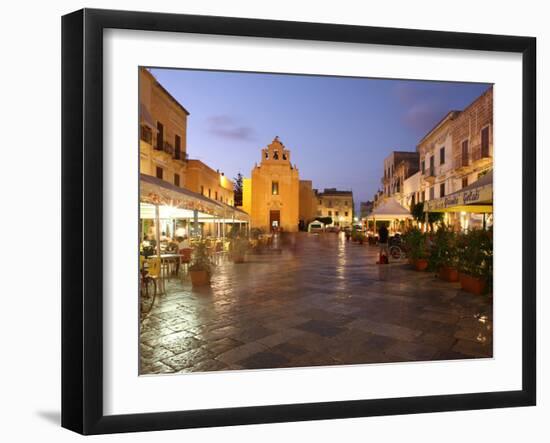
(337, 206)
(206, 181)
(308, 207)
(160, 106)
(247, 195)
(258, 196)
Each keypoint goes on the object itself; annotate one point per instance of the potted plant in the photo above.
(255, 236)
(357, 236)
(415, 243)
(475, 261)
(353, 234)
(200, 268)
(443, 254)
(237, 249)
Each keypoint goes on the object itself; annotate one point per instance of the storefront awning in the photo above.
(477, 197)
(155, 191)
(389, 209)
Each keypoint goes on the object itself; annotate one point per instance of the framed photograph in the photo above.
(268, 221)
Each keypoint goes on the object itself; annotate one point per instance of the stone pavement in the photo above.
(320, 304)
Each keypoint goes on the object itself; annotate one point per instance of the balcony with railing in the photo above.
(165, 148)
(429, 174)
(462, 161)
(180, 155)
(481, 155)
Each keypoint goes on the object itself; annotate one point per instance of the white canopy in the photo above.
(315, 223)
(389, 209)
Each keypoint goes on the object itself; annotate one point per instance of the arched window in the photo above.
(284, 156)
(275, 155)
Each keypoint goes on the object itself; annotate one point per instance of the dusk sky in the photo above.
(338, 129)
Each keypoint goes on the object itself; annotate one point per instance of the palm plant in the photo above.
(200, 259)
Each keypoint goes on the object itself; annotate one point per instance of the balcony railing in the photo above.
(462, 160)
(165, 147)
(429, 172)
(179, 155)
(168, 148)
(480, 152)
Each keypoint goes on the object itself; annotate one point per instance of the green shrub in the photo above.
(443, 249)
(417, 212)
(200, 259)
(475, 254)
(357, 236)
(238, 247)
(415, 243)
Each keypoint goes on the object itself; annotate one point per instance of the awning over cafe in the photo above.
(181, 203)
(477, 197)
(390, 209)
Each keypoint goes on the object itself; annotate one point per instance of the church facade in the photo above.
(271, 195)
(277, 200)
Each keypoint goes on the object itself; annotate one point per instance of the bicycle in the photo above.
(397, 249)
(148, 293)
(397, 252)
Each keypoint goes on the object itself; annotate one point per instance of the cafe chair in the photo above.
(185, 259)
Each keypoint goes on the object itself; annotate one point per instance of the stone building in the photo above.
(163, 145)
(163, 132)
(307, 205)
(204, 180)
(472, 141)
(365, 208)
(410, 195)
(452, 156)
(458, 150)
(398, 166)
(194, 198)
(436, 160)
(336, 204)
(272, 194)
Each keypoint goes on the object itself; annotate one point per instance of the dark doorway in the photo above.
(275, 220)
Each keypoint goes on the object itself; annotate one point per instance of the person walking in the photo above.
(383, 235)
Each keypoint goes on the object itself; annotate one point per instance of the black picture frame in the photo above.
(82, 189)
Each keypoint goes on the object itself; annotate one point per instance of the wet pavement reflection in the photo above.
(320, 302)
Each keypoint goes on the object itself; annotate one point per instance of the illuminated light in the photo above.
(481, 338)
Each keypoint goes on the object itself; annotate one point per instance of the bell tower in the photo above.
(272, 193)
(276, 152)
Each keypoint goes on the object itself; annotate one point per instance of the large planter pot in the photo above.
(199, 278)
(472, 284)
(448, 273)
(421, 264)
